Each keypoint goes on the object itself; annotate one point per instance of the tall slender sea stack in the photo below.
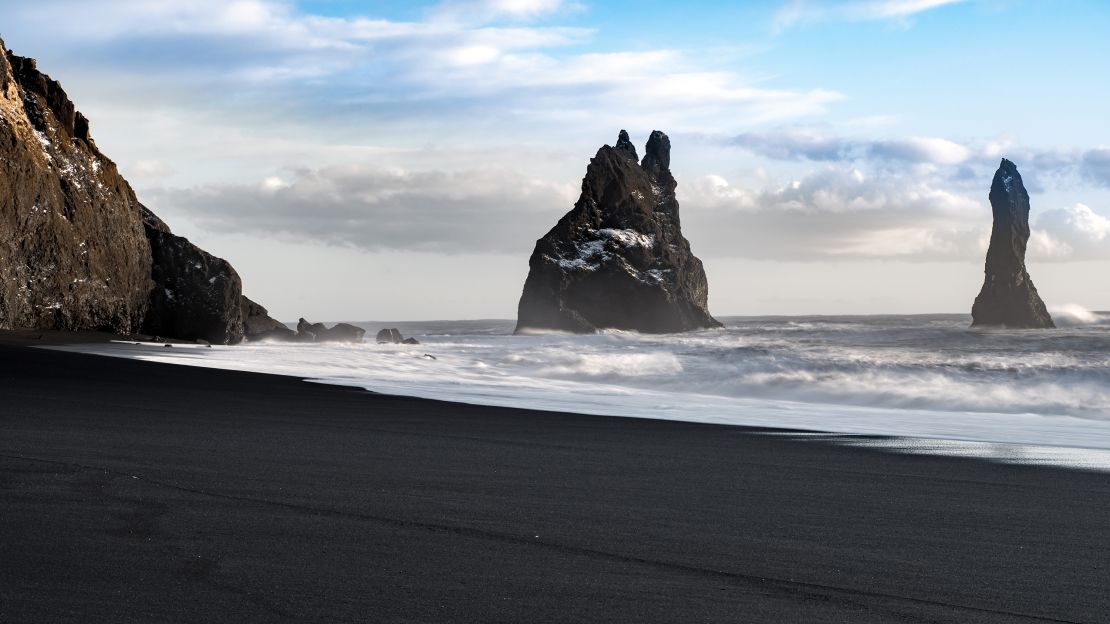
(618, 258)
(1008, 297)
(77, 249)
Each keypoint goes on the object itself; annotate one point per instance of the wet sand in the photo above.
(142, 492)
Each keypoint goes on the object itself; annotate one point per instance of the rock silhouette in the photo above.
(318, 332)
(257, 324)
(389, 336)
(196, 295)
(1008, 297)
(393, 335)
(618, 258)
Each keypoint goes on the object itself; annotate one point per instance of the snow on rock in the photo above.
(618, 258)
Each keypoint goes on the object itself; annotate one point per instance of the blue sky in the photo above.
(832, 157)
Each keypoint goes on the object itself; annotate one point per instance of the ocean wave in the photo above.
(1074, 315)
(927, 375)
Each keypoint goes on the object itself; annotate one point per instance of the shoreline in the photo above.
(138, 491)
(1059, 439)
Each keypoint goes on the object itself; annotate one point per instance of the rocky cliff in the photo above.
(73, 252)
(77, 249)
(618, 258)
(1008, 297)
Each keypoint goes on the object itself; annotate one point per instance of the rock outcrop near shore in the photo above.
(1008, 297)
(258, 325)
(618, 258)
(77, 249)
(392, 335)
(318, 332)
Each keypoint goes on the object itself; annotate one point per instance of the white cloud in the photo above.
(836, 213)
(887, 9)
(922, 150)
(1045, 246)
(486, 10)
(1096, 165)
(839, 212)
(804, 142)
(809, 11)
(477, 211)
(1072, 233)
(490, 61)
(963, 162)
(149, 169)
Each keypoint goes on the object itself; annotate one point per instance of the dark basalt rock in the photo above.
(393, 336)
(343, 332)
(307, 332)
(77, 249)
(196, 295)
(1008, 297)
(318, 332)
(389, 336)
(257, 324)
(618, 258)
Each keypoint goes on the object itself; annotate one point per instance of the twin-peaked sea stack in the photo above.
(1008, 298)
(618, 258)
(77, 249)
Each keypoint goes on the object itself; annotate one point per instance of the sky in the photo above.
(362, 160)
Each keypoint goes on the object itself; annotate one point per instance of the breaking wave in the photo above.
(898, 375)
(1072, 315)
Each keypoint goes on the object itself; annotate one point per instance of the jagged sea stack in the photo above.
(1008, 297)
(618, 258)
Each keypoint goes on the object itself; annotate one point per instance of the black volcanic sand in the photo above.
(139, 492)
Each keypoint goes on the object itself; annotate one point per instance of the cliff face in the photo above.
(73, 253)
(195, 295)
(618, 258)
(77, 249)
(1008, 297)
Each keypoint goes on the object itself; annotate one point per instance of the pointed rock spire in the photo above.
(657, 155)
(1008, 297)
(626, 146)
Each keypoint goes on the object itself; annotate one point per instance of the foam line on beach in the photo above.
(1058, 440)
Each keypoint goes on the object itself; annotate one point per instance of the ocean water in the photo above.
(922, 377)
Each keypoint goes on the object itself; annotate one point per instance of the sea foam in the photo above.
(918, 376)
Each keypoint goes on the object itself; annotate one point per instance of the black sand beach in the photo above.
(138, 492)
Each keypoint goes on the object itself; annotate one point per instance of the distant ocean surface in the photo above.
(925, 376)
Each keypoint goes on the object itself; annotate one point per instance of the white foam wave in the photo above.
(1073, 314)
(906, 376)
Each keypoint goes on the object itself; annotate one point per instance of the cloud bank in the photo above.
(835, 213)
(478, 211)
(461, 56)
